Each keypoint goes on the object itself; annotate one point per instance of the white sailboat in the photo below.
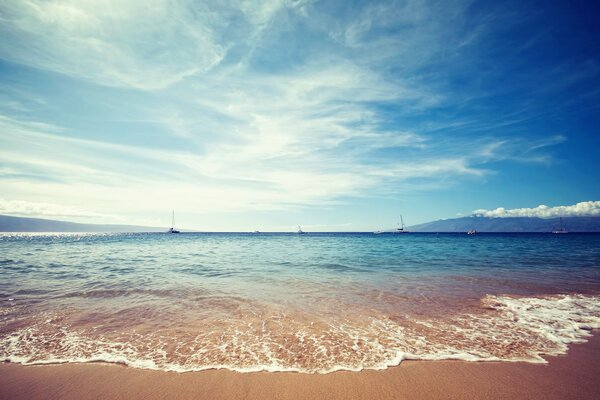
(300, 231)
(401, 227)
(561, 229)
(172, 228)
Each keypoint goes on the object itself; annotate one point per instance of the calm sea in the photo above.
(289, 302)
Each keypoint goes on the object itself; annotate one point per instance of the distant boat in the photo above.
(378, 232)
(401, 228)
(300, 231)
(172, 228)
(561, 229)
(257, 231)
(472, 232)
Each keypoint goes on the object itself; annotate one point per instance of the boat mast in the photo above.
(172, 219)
(402, 221)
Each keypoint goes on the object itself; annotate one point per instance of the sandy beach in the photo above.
(573, 376)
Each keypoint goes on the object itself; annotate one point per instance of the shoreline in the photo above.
(570, 376)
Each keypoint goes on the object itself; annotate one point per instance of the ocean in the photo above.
(313, 303)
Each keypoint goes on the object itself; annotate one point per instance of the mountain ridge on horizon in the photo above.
(450, 225)
(509, 224)
(10, 223)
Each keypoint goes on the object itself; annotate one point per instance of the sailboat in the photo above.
(300, 231)
(561, 229)
(401, 227)
(172, 228)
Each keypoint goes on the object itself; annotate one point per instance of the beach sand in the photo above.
(572, 376)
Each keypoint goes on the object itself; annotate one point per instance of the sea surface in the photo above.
(288, 302)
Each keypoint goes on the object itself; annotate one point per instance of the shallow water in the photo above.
(310, 303)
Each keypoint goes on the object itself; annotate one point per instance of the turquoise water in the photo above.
(310, 303)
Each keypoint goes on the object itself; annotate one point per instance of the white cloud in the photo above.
(247, 173)
(143, 44)
(37, 209)
(518, 149)
(583, 209)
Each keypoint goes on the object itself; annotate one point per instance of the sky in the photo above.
(333, 115)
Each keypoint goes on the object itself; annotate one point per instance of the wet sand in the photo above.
(573, 376)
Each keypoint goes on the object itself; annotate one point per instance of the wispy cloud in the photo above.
(582, 209)
(106, 42)
(265, 175)
(36, 209)
(250, 106)
(520, 149)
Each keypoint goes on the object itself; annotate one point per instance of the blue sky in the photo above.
(336, 115)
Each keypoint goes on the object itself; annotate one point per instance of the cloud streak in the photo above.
(99, 41)
(36, 209)
(582, 209)
(265, 176)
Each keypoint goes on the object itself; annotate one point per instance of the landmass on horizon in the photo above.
(452, 225)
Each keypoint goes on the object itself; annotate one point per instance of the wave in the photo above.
(503, 328)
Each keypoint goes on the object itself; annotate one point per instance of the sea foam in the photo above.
(503, 328)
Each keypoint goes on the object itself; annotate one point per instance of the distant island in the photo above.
(464, 224)
(509, 224)
(21, 224)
